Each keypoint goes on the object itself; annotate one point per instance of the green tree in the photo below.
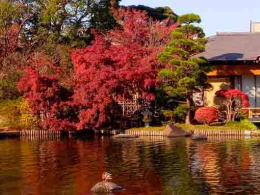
(158, 13)
(61, 25)
(68, 21)
(12, 19)
(184, 72)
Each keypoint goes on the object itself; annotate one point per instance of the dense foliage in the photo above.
(74, 60)
(48, 99)
(16, 114)
(231, 102)
(119, 63)
(52, 27)
(206, 115)
(184, 73)
(158, 13)
(123, 63)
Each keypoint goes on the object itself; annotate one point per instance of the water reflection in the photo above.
(142, 166)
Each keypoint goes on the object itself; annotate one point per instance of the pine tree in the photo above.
(184, 72)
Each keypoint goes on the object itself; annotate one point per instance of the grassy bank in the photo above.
(159, 128)
(241, 125)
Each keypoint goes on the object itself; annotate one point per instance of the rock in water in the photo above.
(199, 137)
(173, 131)
(105, 186)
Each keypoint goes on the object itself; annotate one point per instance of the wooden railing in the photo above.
(253, 113)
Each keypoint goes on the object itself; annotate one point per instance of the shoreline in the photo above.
(219, 131)
(141, 131)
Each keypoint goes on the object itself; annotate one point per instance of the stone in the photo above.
(199, 137)
(105, 186)
(172, 131)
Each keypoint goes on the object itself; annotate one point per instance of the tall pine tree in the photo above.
(184, 73)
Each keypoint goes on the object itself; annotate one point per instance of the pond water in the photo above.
(141, 166)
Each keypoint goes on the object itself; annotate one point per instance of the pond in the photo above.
(141, 166)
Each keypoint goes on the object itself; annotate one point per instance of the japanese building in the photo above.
(235, 58)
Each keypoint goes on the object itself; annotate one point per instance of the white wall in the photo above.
(249, 87)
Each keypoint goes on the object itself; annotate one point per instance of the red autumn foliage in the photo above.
(9, 40)
(232, 102)
(207, 115)
(121, 63)
(233, 94)
(48, 100)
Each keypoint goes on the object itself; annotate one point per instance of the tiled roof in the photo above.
(232, 47)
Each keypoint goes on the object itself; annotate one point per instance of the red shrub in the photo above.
(206, 115)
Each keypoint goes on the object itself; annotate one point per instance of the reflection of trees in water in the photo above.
(61, 167)
(179, 166)
(181, 181)
(9, 166)
(46, 167)
(225, 166)
(205, 164)
(254, 167)
(127, 159)
(154, 163)
(235, 167)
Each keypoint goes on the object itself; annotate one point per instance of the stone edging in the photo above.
(198, 132)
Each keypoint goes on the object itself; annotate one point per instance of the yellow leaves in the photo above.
(27, 119)
(17, 114)
(52, 10)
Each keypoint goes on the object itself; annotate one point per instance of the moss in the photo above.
(159, 128)
(242, 125)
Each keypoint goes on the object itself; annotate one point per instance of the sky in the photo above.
(216, 15)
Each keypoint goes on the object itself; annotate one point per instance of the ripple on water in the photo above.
(142, 166)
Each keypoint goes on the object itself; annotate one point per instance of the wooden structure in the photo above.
(235, 58)
(129, 106)
(45, 134)
(253, 114)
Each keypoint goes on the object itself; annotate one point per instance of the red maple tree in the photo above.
(122, 63)
(48, 100)
(233, 101)
(9, 40)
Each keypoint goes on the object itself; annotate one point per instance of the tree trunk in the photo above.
(188, 115)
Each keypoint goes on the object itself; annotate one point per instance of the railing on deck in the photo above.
(253, 114)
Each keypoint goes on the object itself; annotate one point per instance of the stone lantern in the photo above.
(147, 117)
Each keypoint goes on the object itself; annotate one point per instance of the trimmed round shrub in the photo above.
(206, 115)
